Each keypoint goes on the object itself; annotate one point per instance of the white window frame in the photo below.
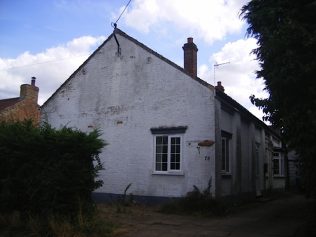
(169, 170)
(276, 157)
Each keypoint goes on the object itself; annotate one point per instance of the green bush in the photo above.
(44, 171)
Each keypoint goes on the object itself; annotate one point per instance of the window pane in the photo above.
(158, 166)
(165, 149)
(175, 140)
(158, 140)
(164, 158)
(223, 154)
(178, 158)
(158, 149)
(164, 167)
(172, 157)
(227, 155)
(158, 158)
(178, 149)
(173, 148)
(175, 166)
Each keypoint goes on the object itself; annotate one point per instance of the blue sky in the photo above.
(50, 39)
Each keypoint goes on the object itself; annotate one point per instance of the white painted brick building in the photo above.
(159, 120)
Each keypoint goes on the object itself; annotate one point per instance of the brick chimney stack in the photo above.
(190, 57)
(29, 91)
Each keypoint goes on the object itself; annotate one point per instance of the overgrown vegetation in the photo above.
(196, 203)
(46, 179)
(93, 225)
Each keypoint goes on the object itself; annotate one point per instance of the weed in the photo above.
(196, 203)
(125, 201)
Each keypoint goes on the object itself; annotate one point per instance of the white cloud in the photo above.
(238, 76)
(51, 67)
(210, 20)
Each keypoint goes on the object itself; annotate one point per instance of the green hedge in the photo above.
(44, 171)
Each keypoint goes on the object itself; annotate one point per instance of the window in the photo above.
(168, 149)
(277, 164)
(168, 153)
(226, 137)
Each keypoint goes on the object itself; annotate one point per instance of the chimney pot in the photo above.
(190, 40)
(219, 86)
(33, 81)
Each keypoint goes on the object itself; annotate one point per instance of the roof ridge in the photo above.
(14, 98)
(234, 103)
(122, 33)
(79, 68)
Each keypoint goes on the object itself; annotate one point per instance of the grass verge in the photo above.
(93, 225)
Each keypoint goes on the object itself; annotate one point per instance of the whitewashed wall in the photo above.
(246, 176)
(125, 96)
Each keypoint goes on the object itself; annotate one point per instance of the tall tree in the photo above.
(286, 34)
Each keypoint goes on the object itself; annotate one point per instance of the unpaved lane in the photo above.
(278, 218)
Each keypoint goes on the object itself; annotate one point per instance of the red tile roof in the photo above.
(8, 102)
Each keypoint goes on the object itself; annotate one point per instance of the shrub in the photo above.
(44, 171)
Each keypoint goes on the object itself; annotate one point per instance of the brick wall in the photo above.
(25, 108)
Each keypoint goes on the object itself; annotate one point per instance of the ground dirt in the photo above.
(286, 215)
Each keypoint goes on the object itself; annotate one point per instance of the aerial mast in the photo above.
(216, 65)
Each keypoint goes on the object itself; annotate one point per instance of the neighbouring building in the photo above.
(22, 108)
(249, 153)
(166, 129)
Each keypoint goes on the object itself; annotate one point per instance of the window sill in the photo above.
(226, 175)
(170, 173)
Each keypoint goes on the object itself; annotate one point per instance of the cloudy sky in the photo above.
(50, 39)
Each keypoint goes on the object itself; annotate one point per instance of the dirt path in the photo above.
(287, 216)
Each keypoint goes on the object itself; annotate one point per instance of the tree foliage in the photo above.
(44, 171)
(286, 34)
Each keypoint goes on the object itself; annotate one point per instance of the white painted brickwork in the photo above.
(125, 96)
